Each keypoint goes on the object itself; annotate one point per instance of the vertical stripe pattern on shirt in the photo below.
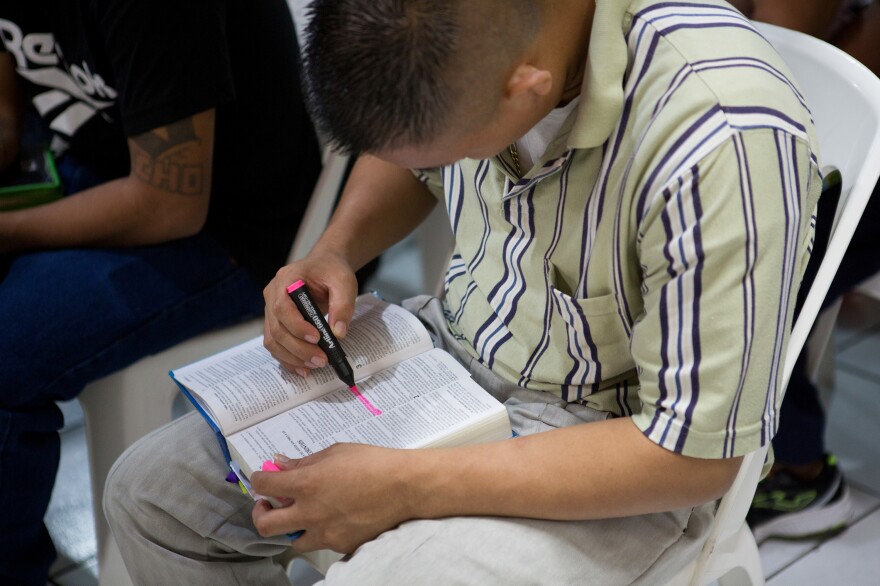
(680, 314)
(645, 265)
(748, 289)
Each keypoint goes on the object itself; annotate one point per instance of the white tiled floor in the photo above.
(849, 559)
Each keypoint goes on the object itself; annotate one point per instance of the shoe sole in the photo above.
(809, 523)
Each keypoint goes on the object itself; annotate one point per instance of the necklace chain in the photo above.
(514, 154)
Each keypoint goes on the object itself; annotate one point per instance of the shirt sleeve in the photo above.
(723, 248)
(170, 59)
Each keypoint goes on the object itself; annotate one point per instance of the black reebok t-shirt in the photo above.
(100, 71)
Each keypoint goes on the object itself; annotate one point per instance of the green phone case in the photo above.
(38, 183)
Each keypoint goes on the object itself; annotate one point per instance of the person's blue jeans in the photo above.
(68, 317)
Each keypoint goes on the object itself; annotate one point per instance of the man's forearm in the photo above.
(115, 213)
(380, 206)
(165, 197)
(589, 471)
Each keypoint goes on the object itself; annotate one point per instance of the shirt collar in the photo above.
(602, 90)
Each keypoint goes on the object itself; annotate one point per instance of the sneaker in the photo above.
(786, 507)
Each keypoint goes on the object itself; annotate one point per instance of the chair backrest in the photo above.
(321, 205)
(844, 98)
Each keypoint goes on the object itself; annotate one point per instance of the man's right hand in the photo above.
(291, 339)
(381, 204)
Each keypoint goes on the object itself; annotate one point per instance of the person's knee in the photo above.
(161, 469)
(32, 373)
(142, 475)
(131, 470)
(21, 377)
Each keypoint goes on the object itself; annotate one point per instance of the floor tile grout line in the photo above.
(803, 554)
(822, 542)
(864, 515)
(83, 565)
(71, 564)
(855, 338)
(71, 429)
(845, 336)
(842, 343)
(858, 371)
(867, 489)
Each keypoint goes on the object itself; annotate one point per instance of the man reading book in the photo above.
(630, 185)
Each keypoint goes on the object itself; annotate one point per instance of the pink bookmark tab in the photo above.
(370, 407)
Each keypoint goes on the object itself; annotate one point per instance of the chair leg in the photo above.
(744, 561)
(127, 405)
(738, 577)
(112, 568)
(118, 410)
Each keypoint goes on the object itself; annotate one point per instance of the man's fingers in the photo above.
(289, 318)
(278, 484)
(285, 463)
(287, 348)
(284, 357)
(261, 508)
(342, 294)
(271, 522)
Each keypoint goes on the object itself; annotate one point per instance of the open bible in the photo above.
(411, 395)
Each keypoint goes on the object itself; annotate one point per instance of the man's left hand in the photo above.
(341, 497)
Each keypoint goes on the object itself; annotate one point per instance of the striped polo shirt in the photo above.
(647, 265)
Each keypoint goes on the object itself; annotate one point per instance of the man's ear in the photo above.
(529, 79)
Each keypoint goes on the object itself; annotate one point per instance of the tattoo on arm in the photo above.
(165, 158)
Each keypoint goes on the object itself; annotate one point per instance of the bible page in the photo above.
(245, 384)
(428, 400)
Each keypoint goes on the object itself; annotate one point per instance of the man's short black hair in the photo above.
(382, 74)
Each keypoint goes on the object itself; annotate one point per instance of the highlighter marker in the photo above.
(327, 341)
(270, 466)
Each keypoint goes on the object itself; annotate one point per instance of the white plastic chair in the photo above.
(126, 405)
(844, 98)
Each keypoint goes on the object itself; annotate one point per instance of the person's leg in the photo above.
(646, 550)
(176, 520)
(800, 437)
(805, 493)
(70, 317)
